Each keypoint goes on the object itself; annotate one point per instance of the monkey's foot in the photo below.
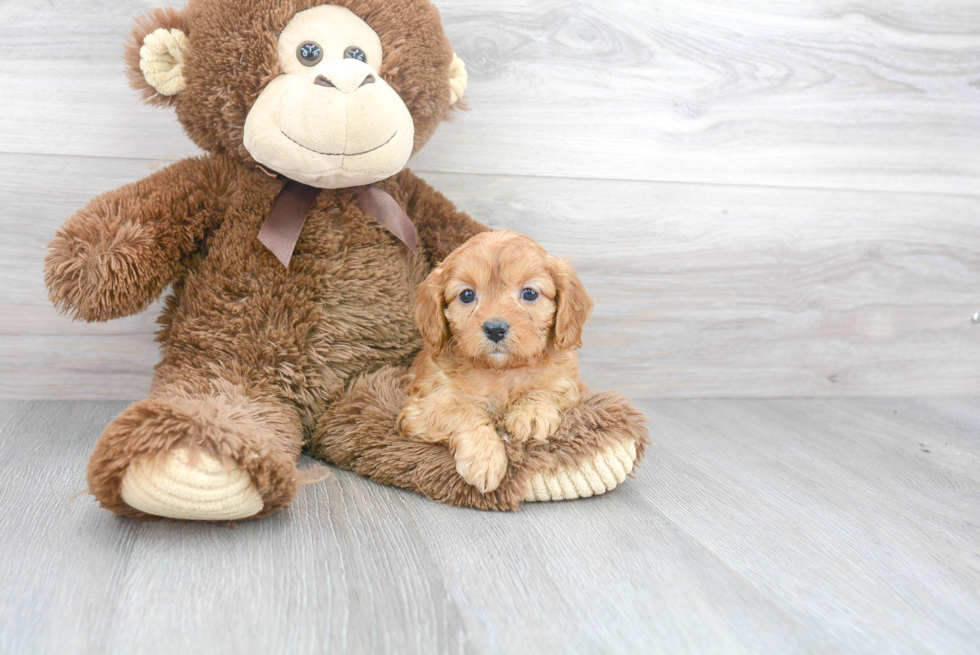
(198, 456)
(603, 473)
(181, 485)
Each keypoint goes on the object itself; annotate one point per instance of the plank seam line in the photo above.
(166, 161)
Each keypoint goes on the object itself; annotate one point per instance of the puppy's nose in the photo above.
(495, 330)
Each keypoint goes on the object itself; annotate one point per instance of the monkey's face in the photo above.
(333, 95)
(330, 120)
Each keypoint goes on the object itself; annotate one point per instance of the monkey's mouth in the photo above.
(340, 154)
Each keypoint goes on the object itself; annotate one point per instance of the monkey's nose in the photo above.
(495, 330)
(345, 83)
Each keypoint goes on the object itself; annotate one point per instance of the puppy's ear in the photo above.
(574, 306)
(430, 311)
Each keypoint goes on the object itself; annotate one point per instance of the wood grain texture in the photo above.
(866, 94)
(700, 291)
(754, 526)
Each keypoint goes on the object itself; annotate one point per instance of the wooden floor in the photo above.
(754, 526)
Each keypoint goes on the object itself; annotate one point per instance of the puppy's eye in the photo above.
(467, 296)
(529, 295)
(309, 54)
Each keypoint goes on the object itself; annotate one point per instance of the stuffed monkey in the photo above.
(292, 249)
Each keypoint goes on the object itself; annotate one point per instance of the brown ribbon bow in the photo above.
(285, 221)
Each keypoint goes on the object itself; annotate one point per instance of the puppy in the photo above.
(501, 321)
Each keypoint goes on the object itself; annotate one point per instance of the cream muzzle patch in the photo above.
(330, 120)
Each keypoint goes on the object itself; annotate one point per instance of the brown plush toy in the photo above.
(293, 248)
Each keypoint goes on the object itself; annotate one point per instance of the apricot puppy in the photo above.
(501, 320)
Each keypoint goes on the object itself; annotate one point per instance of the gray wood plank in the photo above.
(701, 291)
(867, 94)
(860, 516)
(754, 526)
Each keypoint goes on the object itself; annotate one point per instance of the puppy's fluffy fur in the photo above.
(501, 320)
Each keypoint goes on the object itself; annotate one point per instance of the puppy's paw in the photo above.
(480, 458)
(415, 423)
(409, 423)
(533, 420)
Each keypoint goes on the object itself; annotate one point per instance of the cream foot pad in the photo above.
(206, 490)
(604, 473)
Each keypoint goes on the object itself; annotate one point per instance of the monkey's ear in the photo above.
(155, 55)
(430, 311)
(574, 306)
(458, 79)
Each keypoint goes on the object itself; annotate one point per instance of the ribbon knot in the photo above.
(292, 206)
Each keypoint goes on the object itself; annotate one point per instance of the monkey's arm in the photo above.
(115, 256)
(442, 228)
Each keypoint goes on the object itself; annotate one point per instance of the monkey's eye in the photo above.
(529, 295)
(354, 52)
(309, 54)
(466, 296)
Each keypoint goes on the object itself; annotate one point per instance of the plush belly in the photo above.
(343, 307)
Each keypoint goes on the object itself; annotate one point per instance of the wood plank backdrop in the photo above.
(767, 198)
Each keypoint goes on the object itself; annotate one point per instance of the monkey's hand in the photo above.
(114, 257)
(101, 265)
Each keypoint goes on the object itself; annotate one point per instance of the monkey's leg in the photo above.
(598, 443)
(199, 449)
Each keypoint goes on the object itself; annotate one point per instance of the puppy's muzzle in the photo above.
(495, 330)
